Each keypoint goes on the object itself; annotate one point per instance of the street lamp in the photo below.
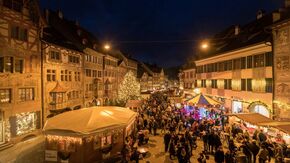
(204, 45)
(107, 47)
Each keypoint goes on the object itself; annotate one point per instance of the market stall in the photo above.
(249, 121)
(204, 106)
(278, 130)
(87, 135)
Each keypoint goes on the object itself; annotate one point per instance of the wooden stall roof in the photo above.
(253, 118)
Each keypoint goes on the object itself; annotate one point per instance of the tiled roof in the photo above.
(249, 34)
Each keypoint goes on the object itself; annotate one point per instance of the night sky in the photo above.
(164, 32)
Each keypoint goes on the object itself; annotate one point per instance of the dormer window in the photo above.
(84, 41)
(16, 5)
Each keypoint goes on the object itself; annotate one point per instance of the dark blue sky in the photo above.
(151, 30)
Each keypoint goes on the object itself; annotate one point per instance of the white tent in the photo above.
(89, 120)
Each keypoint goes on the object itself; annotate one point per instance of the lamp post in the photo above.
(106, 47)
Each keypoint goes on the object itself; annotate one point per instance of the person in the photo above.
(219, 155)
(254, 148)
(182, 156)
(135, 155)
(201, 158)
(155, 126)
(172, 149)
(278, 154)
(263, 154)
(229, 158)
(166, 138)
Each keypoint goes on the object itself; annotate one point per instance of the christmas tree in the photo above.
(129, 88)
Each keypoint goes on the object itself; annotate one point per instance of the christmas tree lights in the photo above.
(129, 88)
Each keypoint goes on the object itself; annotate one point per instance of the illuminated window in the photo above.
(26, 94)
(259, 60)
(5, 95)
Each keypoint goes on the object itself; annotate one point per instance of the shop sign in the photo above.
(50, 155)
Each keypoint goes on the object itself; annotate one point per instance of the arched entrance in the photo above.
(259, 107)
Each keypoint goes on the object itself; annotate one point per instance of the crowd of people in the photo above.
(180, 130)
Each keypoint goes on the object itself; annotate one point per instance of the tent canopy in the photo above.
(201, 99)
(283, 126)
(89, 120)
(253, 118)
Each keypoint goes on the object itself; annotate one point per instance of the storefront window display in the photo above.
(261, 109)
(26, 122)
(237, 107)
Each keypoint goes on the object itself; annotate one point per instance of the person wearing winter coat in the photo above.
(263, 154)
(219, 155)
(167, 138)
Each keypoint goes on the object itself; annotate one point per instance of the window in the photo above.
(214, 83)
(69, 76)
(51, 75)
(73, 59)
(5, 95)
(26, 94)
(249, 61)
(249, 85)
(88, 72)
(19, 65)
(228, 83)
(54, 55)
(77, 76)
(19, 33)
(269, 59)
(243, 63)
(16, 5)
(243, 84)
(6, 64)
(259, 60)
(64, 75)
(99, 74)
(237, 64)
(269, 85)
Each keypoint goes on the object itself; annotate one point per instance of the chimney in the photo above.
(60, 15)
(287, 3)
(260, 14)
(237, 29)
(276, 16)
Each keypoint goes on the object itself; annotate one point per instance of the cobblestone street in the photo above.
(157, 155)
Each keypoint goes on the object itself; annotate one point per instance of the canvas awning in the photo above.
(89, 120)
(201, 99)
(283, 126)
(134, 103)
(252, 118)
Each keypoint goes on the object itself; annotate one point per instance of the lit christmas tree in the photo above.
(129, 88)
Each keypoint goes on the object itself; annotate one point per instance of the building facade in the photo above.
(281, 38)
(187, 78)
(151, 77)
(238, 70)
(20, 71)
